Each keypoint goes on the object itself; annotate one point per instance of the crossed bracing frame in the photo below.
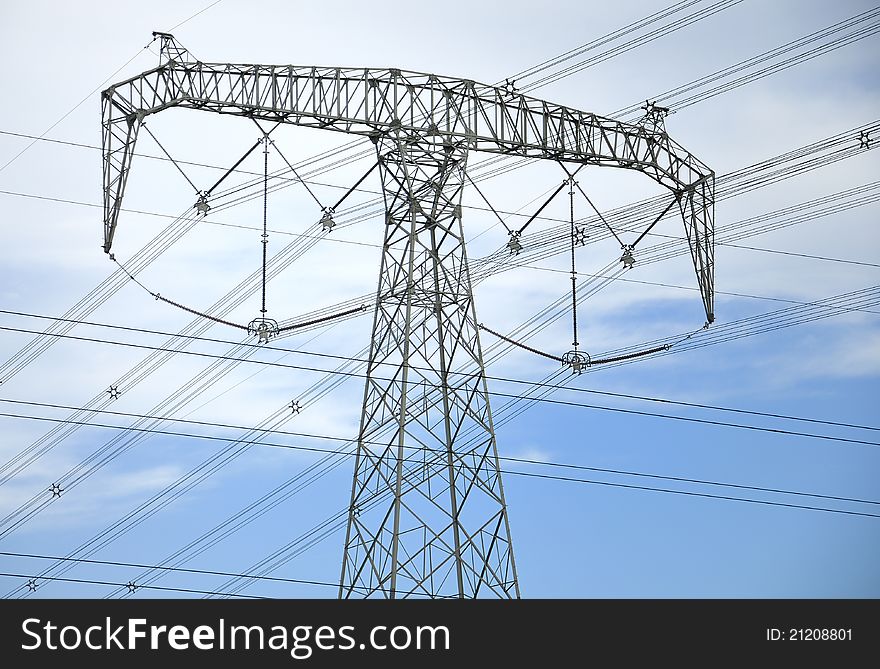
(427, 517)
(444, 533)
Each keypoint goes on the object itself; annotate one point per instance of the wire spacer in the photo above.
(327, 222)
(577, 360)
(513, 243)
(263, 328)
(201, 205)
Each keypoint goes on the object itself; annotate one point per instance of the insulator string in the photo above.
(265, 214)
(574, 316)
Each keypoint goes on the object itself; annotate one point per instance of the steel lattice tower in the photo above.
(427, 514)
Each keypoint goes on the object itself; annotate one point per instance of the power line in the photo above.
(661, 284)
(190, 163)
(183, 570)
(550, 477)
(771, 312)
(672, 98)
(190, 18)
(727, 239)
(841, 42)
(75, 107)
(793, 322)
(37, 578)
(284, 492)
(686, 492)
(493, 393)
(326, 528)
(205, 221)
(689, 419)
(600, 41)
(548, 242)
(288, 233)
(775, 320)
(96, 89)
(785, 325)
(634, 43)
(317, 534)
(311, 449)
(800, 255)
(502, 379)
(518, 399)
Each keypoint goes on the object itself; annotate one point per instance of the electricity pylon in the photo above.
(427, 514)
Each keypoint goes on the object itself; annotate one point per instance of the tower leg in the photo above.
(698, 212)
(120, 129)
(427, 516)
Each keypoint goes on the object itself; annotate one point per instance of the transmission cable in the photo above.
(374, 442)
(498, 393)
(365, 360)
(76, 106)
(34, 582)
(173, 162)
(669, 97)
(519, 399)
(634, 43)
(620, 32)
(133, 586)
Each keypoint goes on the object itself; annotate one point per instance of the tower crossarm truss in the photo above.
(376, 102)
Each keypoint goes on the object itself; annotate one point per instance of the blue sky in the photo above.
(570, 539)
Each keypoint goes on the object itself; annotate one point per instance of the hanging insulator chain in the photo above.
(577, 360)
(264, 328)
(327, 222)
(574, 342)
(265, 238)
